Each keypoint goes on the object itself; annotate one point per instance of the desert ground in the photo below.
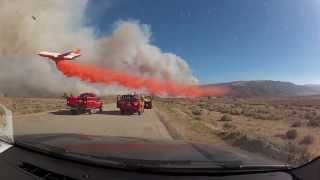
(286, 129)
(280, 129)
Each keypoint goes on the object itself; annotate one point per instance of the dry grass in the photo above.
(23, 106)
(307, 140)
(296, 124)
(314, 123)
(226, 118)
(264, 124)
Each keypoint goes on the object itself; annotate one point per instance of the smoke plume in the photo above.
(56, 25)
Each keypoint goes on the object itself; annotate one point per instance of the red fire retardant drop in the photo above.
(94, 74)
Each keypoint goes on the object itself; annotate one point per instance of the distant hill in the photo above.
(313, 86)
(267, 88)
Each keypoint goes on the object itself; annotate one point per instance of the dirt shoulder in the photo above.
(180, 127)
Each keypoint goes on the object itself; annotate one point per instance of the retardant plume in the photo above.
(94, 74)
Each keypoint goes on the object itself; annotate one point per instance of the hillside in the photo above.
(267, 88)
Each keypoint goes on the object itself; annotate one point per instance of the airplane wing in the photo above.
(73, 54)
(49, 54)
(65, 54)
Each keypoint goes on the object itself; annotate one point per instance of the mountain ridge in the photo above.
(267, 88)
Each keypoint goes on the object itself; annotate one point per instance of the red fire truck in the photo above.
(86, 102)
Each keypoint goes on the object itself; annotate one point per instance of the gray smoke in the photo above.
(57, 25)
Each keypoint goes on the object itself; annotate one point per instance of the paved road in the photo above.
(109, 122)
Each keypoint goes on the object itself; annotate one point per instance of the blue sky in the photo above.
(227, 40)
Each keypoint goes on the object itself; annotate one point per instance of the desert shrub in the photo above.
(227, 126)
(226, 118)
(196, 112)
(236, 111)
(210, 108)
(262, 110)
(260, 116)
(198, 118)
(65, 95)
(252, 112)
(275, 116)
(247, 112)
(203, 105)
(296, 155)
(296, 124)
(309, 115)
(307, 140)
(292, 134)
(224, 110)
(313, 123)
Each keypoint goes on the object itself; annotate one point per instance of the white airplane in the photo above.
(70, 55)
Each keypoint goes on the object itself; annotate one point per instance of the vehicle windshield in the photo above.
(87, 95)
(205, 83)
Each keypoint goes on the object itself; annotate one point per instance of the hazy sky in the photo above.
(227, 40)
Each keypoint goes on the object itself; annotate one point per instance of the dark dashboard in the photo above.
(19, 163)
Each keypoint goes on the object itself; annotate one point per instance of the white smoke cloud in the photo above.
(58, 26)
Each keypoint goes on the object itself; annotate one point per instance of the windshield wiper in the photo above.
(267, 167)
